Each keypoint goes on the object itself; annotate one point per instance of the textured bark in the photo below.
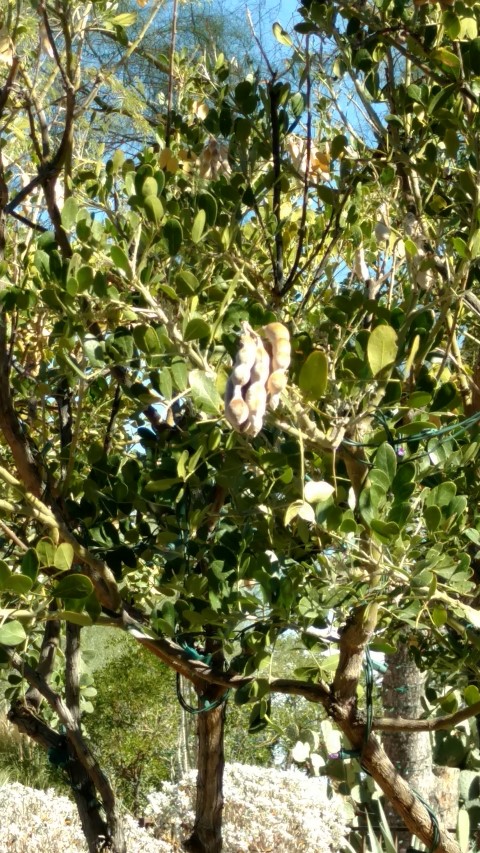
(207, 831)
(411, 752)
(74, 755)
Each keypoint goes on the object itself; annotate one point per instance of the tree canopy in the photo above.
(330, 205)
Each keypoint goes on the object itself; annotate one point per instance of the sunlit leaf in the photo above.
(381, 348)
(314, 374)
(204, 392)
(63, 558)
(318, 490)
(12, 633)
(73, 586)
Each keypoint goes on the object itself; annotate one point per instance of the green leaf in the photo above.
(73, 586)
(12, 633)
(153, 208)
(313, 375)
(82, 619)
(186, 283)
(432, 516)
(386, 460)
(204, 392)
(69, 213)
(316, 491)
(124, 19)
(475, 245)
(468, 29)
(381, 348)
(281, 36)
(45, 552)
(385, 530)
(207, 202)
(439, 617)
(197, 329)
(149, 187)
(63, 557)
(120, 260)
(302, 509)
(446, 58)
(297, 104)
(4, 575)
(147, 340)
(173, 233)
(471, 694)
(198, 226)
(21, 584)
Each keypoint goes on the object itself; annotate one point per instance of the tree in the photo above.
(348, 514)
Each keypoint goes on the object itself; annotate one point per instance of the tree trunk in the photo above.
(186, 749)
(411, 753)
(207, 831)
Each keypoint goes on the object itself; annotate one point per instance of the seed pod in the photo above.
(256, 394)
(276, 383)
(236, 409)
(256, 401)
(278, 337)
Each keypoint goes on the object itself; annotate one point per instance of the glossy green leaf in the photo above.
(197, 329)
(12, 633)
(314, 375)
(147, 340)
(439, 616)
(281, 35)
(120, 260)
(153, 208)
(83, 619)
(385, 530)
(186, 283)
(46, 552)
(173, 233)
(21, 584)
(432, 516)
(471, 694)
(74, 586)
(198, 226)
(63, 558)
(381, 349)
(124, 19)
(4, 575)
(386, 460)
(149, 187)
(208, 203)
(446, 58)
(204, 392)
(69, 213)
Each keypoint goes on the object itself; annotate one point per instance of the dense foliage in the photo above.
(339, 196)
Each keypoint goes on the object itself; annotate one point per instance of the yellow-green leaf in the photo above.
(313, 375)
(281, 35)
(382, 348)
(63, 557)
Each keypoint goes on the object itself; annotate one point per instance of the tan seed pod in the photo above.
(261, 367)
(256, 400)
(241, 374)
(276, 382)
(278, 337)
(236, 409)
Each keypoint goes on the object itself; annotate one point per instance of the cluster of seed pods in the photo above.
(258, 376)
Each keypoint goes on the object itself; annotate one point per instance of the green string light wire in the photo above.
(457, 429)
(369, 668)
(435, 827)
(194, 654)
